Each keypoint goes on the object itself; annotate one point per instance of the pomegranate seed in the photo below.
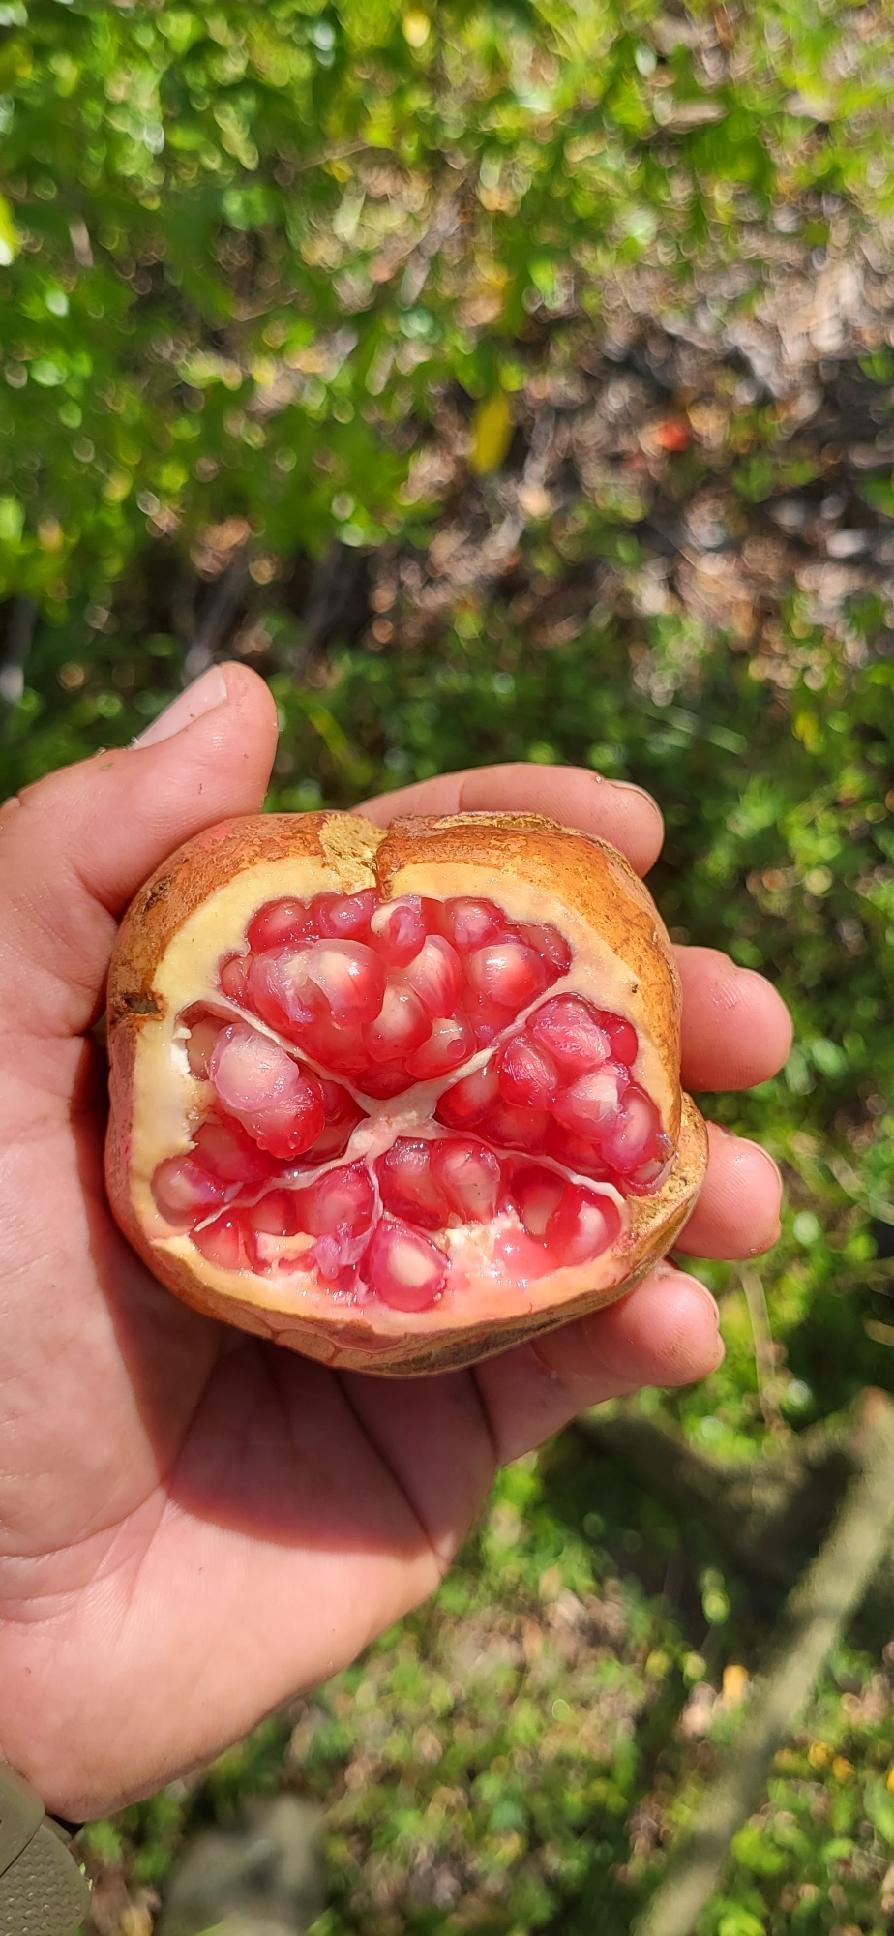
(338, 1048)
(350, 977)
(576, 1152)
(344, 917)
(517, 1126)
(536, 1192)
(386, 1081)
(526, 1073)
(547, 942)
(258, 1082)
(466, 1102)
(487, 1020)
(403, 1269)
(436, 975)
(340, 1203)
(634, 1136)
(622, 1036)
(203, 1033)
(449, 1044)
(226, 1150)
(401, 1025)
(280, 989)
(276, 1214)
(227, 1242)
(469, 1176)
(590, 1105)
(469, 923)
(582, 1226)
(569, 1030)
(279, 922)
(233, 978)
(506, 972)
(342, 1116)
(184, 1190)
(399, 929)
(407, 1185)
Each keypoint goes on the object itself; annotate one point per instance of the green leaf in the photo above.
(9, 240)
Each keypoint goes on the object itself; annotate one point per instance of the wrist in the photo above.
(43, 1892)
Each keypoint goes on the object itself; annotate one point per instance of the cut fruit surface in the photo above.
(401, 1106)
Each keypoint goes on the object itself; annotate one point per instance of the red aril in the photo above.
(436, 976)
(233, 977)
(401, 1025)
(402, 1269)
(582, 1226)
(275, 1214)
(342, 1115)
(228, 1242)
(185, 1191)
(623, 1038)
(516, 1126)
(408, 1186)
(634, 1144)
(278, 923)
(398, 930)
(450, 1043)
(536, 1193)
(280, 990)
(344, 917)
(469, 923)
(590, 1104)
(507, 974)
(340, 1200)
(388, 1135)
(526, 1074)
(570, 1032)
(256, 1081)
(467, 1102)
(468, 1175)
(228, 1152)
(547, 942)
(350, 978)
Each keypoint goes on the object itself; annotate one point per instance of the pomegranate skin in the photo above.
(602, 897)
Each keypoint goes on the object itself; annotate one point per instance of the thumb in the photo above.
(76, 846)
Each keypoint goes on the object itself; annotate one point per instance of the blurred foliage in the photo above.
(286, 293)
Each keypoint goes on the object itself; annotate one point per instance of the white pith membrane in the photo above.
(291, 1145)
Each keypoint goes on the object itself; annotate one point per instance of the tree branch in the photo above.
(818, 1608)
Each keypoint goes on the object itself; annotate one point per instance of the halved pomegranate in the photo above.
(397, 1099)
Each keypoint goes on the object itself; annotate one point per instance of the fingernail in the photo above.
(757, 1149)
(629, 786)
(205, 693)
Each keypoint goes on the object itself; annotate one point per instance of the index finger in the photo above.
(613, 809)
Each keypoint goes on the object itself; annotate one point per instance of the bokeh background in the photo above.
(513, 381)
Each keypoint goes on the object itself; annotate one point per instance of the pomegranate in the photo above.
(397, 1099)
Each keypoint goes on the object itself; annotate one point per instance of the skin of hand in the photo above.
(195, 1525)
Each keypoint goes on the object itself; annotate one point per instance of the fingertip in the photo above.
(664, 1332)
(612, 810)
(736, 1027)
(249, 693)
(775, 1019)
(739, 1208)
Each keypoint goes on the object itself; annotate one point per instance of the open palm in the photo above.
(194, 1525)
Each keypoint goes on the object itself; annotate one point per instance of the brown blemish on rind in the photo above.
(587, 875)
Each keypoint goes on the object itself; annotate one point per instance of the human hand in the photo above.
(194, 1525)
